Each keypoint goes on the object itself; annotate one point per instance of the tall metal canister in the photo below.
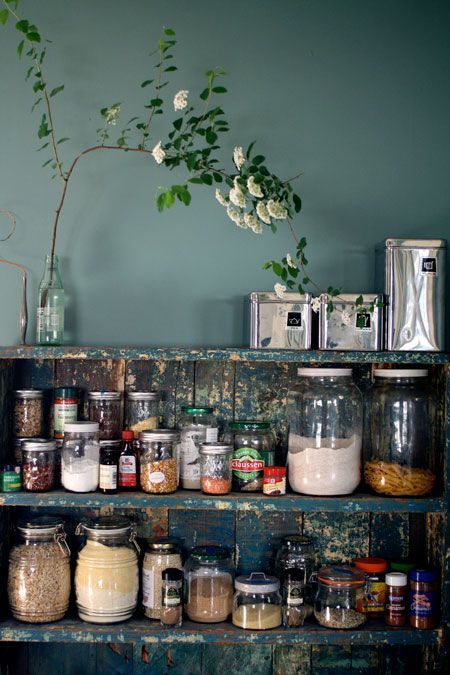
(411, 274)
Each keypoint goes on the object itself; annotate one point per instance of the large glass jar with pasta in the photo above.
(106, 576)
(398, 433)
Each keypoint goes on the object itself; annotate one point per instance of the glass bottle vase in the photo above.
(50, 310)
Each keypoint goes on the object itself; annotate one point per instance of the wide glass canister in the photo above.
(159, 464)
(296, 553)
(28, 416)
(197, 425)
(80, 457)
(325, 435)
(339, 597)
(161, 554)
(399, 413)
(215, 468)
(105, 408)
(39, 571)
(208, 576)
(107, 575)
(257, 602)
(254, 448)
(38, 465)
(142, 411)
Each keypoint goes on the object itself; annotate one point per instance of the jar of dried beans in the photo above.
(105, 407)
(142, 411)
(38, 465)
(159, 465)
(28, 413)
(39, 571)
(215, 468)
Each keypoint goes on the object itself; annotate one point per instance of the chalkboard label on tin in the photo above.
(364, 321)
(429, 266)
(294, 320)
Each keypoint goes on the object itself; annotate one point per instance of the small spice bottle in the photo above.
(292, 592)
(10, 478)
(128, 463)
(108, 469)
(274, 480)
(171, 593)
(28, 413)
(396, 598)
(375, 592)
(65, 409)
(423, 598)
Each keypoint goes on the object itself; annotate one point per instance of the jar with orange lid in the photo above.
(374, 598)
(338, 602)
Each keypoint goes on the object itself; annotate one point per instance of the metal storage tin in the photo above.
(411, 273)
(336, 334)
(275, 323)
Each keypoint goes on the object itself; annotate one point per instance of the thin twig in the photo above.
(12, 218)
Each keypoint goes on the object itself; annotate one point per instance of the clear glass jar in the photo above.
(257, 602)
(297, 553)
(28, 420)
(254, 448)
(159, 464)
(161, 554)
(325, 434)
(339, 597)
(39, 571)
(215, 468)
(105, 408)
(107, 575)
(208, 576)
(399, 414)
(38, 465)
(142, 411)
(80, 457)
(197, 425)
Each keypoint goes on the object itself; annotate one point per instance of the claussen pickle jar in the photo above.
(197, 425)
(254, 448)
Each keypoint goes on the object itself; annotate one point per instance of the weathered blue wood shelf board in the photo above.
(187, 499)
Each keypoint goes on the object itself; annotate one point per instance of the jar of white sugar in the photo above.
(325, 433)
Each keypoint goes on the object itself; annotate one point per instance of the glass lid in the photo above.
(341, 575)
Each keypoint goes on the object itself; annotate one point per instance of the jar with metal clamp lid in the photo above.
(106, 576)
(39, 571)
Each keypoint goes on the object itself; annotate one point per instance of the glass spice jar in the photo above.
(257, 602)
(215, 468)
(161, 554)
(159, 465)
(374, 598)
(10, 478)
(142, 411)
(39, 571)
(208, 574)
(128, 463)
(105, 408)
(423, 598)
(197, 425)
(396, 598)
(109, 466)
(38, 465)
(292, 592)
(171, 598)
(254, 448)
(28, 418)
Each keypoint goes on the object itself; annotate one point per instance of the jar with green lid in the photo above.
(197, 425)
(254, 448)
(404, 566)
(161, 554)
(142, 411)
(208, 575)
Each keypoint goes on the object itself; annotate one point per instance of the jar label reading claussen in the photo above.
(247, 463)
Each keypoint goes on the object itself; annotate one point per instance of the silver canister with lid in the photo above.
(411, 273)
(275, 323)
(350, 326)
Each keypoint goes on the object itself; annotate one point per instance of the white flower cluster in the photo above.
(112, 115)
(236, 196)
(158, 153)
(345, 317)
(290, 262)
(315, 304)
(238, 157)
(236, 217)
(263, 214)
(280, 290)
(254, 188)
(253, 223)
(276, 210)
(180, 99)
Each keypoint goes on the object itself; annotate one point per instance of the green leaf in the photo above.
(56, 90)
(249, 149)
(217, 177)
(33, 37)
(359, 300)
(204, 95)
(35, 104)
(290, 283)
(62, 140)
(170, 69)
(156, 102)
(196, 180)
(146, 83)
(38, 86)
(20, 48)
(297, 203)
(267, 265)
(277, 268)
(259, 159)
(219, 90)
(4, 16)
(178, 123)
(169, 31)
(43, 128)
(29, 71)
(23, 26)
(46, 163)
(169, 198)
(207, 178)
(211, 137)
(43, 146)
(160, 202)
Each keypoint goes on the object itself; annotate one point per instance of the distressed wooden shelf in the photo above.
(186, 499)
(225, 354)
(146, 632)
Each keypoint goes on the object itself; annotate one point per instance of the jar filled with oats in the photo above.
(159, 464)
(161, 554)
(39, 571)
(28, 419)
(142, 411)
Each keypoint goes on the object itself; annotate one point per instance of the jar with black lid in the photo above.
(171, 598)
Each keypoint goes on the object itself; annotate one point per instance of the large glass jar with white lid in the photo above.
(197, 425)
(142, 411)
(80, 457)
(257, 602)
(106, 575)
(399, 415)
(339, 597)
(105, 407)
(208, 576)
(325, 434)
(39, 571)
(161, 554)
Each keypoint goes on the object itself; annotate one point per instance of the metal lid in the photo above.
(159, 435)
(104, 395)
(215, 449)
(65, 392)
(297, 540)
(342, 575)
(143, 395)
(288, 298)
(191, 410)
(249, 425)
(81, 427)
(257, 582)
(162, 544)
(39, 445)
(107, 525)
(210, 554)
(412, 243)
(400, 372)
(351, 298)
(396, 579)
(18, 441)
(324, 372)
(40, 525)
(116, 443)
(28, 393)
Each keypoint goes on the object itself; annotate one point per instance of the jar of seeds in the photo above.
(161, 553)
(159, 464)
(28, 421)
(38, 465)
(339, 597)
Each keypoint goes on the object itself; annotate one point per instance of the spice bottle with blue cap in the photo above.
(423, 598)
(257, 602)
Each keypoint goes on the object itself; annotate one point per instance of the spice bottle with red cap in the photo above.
(274, 480)
(375, 592)
(128, 463)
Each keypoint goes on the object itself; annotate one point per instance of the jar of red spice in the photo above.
(274, 480)
(215, 468)
(375, 593)
(396, 598)
(423, 598)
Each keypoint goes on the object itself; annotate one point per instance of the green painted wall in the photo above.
(354, 93)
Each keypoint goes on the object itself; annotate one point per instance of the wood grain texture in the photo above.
(338, 537)
(197, 528)
(172, 660)
(389, 535)
(331, 660)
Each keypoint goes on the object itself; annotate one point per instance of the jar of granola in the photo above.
(28, 413)
(38, 465)
(159, 464)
